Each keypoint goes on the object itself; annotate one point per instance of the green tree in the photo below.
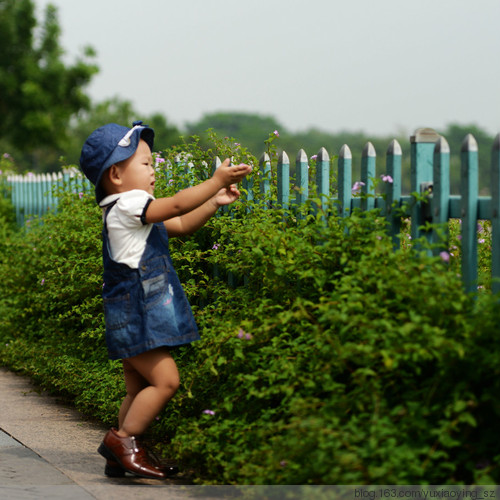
(249, 129)
(39, 93)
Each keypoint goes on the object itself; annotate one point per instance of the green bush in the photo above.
(331, 359)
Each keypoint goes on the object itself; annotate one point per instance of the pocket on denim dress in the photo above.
(155, 290)
(117, 311)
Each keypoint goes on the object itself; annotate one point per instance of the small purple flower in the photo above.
(283, 463)
(208, 412)
(6, 155)
(314, 157)
(480, 240)
(80, 195)
(42, 282)
(215, 247)
(243, 335)
(445, 256)
(276, 133)
(387, 178)
(356, 188)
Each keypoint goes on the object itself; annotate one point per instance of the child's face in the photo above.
(137, 172)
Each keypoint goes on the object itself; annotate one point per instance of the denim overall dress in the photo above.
(145, 308)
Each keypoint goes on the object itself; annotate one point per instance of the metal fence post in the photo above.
(422, 155)
(469, 194)
(393, 190)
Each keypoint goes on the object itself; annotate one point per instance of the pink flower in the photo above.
(276, 133)
(357, 187)
(243, 335)
(208, 412)
(445, 256)
(387, 178)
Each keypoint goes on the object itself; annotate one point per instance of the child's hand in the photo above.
(226, 195)
(228, 175)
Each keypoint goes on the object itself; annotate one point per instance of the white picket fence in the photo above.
(33, 195)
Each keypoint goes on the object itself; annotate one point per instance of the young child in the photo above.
(146, 310)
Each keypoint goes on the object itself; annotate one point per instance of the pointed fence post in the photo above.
(38, 211)
(55, 191)
(16, 197)
(323, 178)
(47, 187)
(469, 195)
(368, 167)
(422, 157)
(393, 190)
(441, 191)
(301, 180)
(283, 180)
(265, 174)
(495, 215)
(345, 180)
(31, 195)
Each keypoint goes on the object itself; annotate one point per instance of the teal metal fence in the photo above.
(429, 172)
(33, 195)
(430, 181)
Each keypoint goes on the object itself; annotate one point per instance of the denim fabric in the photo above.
(145, 308)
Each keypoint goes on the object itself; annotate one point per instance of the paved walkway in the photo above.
(48, 450)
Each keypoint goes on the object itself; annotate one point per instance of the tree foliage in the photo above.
(250, 128)
(38, 92)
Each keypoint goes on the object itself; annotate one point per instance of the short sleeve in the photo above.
(131, 206)
(124, 222)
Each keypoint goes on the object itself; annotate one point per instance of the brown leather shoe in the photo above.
(129, 455)
(114, 469)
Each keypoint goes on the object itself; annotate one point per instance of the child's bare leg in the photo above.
(158, 368)
(134, 383)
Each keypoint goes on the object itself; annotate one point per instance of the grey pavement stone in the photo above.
(49, 450)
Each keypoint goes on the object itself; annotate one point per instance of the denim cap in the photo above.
(108, 145)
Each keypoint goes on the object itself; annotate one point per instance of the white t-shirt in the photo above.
(126, 233)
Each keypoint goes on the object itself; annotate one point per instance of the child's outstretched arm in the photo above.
(187, 200)
(192, 221)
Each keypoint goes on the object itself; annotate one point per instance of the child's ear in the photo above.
(114, 175)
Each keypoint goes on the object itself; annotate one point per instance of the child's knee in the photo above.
(172, 383)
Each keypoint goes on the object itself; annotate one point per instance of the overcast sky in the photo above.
(377, 66)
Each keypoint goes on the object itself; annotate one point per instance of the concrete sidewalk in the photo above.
(49, 450)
